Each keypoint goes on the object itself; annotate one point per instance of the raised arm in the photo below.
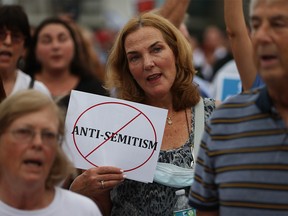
(174, 10)
(240, 42)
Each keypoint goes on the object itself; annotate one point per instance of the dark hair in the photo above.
(32, 66)
(14, 18)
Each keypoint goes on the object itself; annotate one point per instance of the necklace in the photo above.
(169, 121)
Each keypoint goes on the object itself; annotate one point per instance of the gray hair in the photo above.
(253, 3)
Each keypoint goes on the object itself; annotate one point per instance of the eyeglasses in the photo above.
(16, 37)
(27, 135)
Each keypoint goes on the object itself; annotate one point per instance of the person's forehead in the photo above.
(10, 28)
(146, 31)
(258, 3)
(268, 8)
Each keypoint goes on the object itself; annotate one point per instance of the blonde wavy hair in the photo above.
(29, 101)
(119, 79)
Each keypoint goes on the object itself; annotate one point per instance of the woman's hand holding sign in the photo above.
(96, 181)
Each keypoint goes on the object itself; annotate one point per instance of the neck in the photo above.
(26, 198)
(163, 102)
(53, 76)
(8, 80)
(280, 101)
(58, 85)
(8, 75)
(279, 95)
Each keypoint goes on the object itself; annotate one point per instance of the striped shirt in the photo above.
(242, 166)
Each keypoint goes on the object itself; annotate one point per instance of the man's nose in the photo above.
(262, 34)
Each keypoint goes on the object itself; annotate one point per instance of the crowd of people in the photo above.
(232, 151)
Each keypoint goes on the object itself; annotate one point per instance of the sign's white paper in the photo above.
(104, 131)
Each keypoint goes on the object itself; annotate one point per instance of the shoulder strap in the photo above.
(31, 84)
(199, 127)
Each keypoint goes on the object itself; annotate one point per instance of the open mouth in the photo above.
(153, 77)
(33, 162)
(268, 57)
(268, 60)
(5, 53)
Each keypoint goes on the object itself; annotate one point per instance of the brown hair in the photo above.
(118, 76)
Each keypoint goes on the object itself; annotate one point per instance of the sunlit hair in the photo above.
(29, 101)
(119, 79)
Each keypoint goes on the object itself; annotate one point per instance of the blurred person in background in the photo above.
(216, 51)
(32, 162)
(87, 47)
(14, 40)
(198, 60)
(54, 59)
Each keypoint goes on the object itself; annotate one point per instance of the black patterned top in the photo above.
(145, 199)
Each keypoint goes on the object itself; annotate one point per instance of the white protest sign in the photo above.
(104, 131)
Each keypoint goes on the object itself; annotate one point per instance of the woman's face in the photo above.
(11, 49)
(28, 149)
(55, 48)
(151, 62)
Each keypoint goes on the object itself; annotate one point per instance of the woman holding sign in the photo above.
(151, 63)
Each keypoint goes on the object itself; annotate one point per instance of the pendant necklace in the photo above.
(169, 121)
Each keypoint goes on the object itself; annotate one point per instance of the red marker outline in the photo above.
(118, 103)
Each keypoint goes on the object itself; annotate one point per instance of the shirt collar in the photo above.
(264, 101)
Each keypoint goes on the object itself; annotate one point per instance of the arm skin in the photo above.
(240, 41)
(174, 11)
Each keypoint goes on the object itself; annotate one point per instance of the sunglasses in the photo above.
(16, 37)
